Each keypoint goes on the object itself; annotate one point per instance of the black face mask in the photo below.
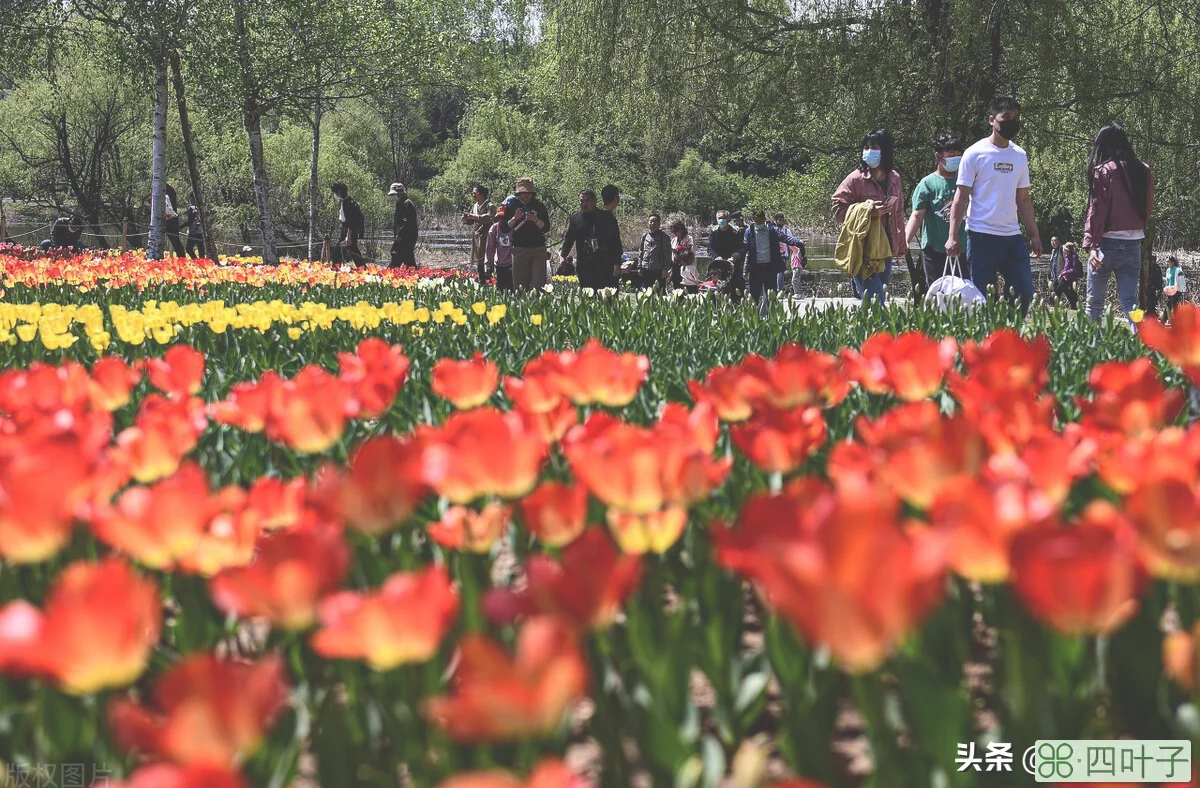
(1009, 129)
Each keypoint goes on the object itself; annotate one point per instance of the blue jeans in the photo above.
(1007, 255)
(1123, 258)
(872, 286)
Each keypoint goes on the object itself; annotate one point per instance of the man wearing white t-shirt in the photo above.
(993, 196)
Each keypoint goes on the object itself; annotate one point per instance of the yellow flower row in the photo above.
(54, 323)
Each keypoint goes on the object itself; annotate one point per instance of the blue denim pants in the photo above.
(1123, 258)
(1007, 255)
(868, 287)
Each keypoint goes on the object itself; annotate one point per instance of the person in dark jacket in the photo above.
(610, 232)
(654, 258)
(527, 219)
(1070, 273)
(64, 234)
(725, 243)
(585, 231)
(763, 260)
(195, 233)
(353, 223)
(172, 221)
(404, 228)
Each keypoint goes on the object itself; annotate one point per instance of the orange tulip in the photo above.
(547, 774)
(537, 390)
(595, 375)
(588, 587)
(167, 776)
(162, 435)
(1007, 363)
(99, 625)
(279, 504)
(309, 413)
(1179, 343)
(911, 365)
(290, 573)
(467, 384)
(1129, 399)
(403, 622)
(640, 470)
(179, 373)
(386, 480)
(978, 521)
(204, 711)
(248, 404)
(1084, 579)
(43, 390)
(1179, 657)
(838, 566)
(796, 378)
(1007, 420)
(913, 450)
(553, 425)
(112, 383)
(779, 441)
(498, 698)
(375, 373)
(42, 483)
(555, 513)
(488, 453)
(470, 531)
(1165, 510)
(158, 524)
(730, 391)
(1122, 463)
(228, 537)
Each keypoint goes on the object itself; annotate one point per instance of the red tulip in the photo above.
(179, 373)
(501, 698)
(588, 587)
(555, 513)
(1129, 399)
(1179, 343)
(595, 375)
(1179, 657)
(309, 413)
(467, 384)
(1084, 579)
(375, 373)
(838, 566)
(167, 776)
(405, 621)
(1165, 510)
(488, 453)
(387, 479)
(290, 573)
(161, 523)
(911, 365)
(203, 711)
(779, 441)
(112, 383)
(547, 774)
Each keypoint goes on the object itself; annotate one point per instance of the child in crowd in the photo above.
(1174, 286)
(1072, 272)
(683, 258)
(497, 255)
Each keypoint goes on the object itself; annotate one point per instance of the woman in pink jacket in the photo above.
(1120, 202)
(875, 180)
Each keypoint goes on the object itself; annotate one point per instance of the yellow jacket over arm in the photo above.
(863, 248)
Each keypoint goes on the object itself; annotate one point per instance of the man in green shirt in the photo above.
(931, 203)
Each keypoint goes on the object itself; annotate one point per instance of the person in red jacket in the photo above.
(1120, 202)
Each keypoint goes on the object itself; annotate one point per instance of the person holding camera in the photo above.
(526, 218)
(585, 233)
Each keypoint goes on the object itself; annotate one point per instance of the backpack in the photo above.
(951, 290)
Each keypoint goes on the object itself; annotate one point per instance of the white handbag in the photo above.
(951, 290)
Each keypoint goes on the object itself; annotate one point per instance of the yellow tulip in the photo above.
(446, 306)
(439, 316)
(422, 315)
(294, 333)
(535, 319)
(27, 332)
(479, 307)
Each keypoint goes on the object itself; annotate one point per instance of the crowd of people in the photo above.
(966, 216)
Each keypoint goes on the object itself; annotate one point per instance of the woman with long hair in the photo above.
(1120, 203)
(875, 180)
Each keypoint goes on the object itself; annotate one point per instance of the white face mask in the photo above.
(338, 197)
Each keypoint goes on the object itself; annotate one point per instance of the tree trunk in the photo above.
(189, 149)
(313, 191)
(252, 120)
(158, 177)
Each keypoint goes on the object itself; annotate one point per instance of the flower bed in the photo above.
(410, 546)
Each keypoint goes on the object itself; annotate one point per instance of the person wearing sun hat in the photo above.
(526, 218)
(404, 227)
